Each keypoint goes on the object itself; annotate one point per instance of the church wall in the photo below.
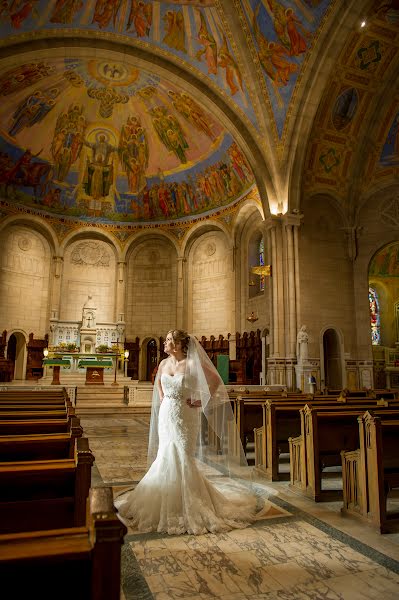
(151, 297)
(211, 306)
(24, 280)
(89, 268)
(326, 277)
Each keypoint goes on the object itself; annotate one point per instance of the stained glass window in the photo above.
(261, 263)
(374, 317)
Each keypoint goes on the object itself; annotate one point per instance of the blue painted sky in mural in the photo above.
(283, 32)
(191, 34)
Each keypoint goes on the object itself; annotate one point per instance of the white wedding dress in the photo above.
(174, 496)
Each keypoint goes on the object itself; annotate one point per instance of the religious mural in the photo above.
(192, 31)
(390, 151)
(97, 139)
(386, 262)
(282, 32)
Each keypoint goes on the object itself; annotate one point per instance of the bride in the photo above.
(193, 436)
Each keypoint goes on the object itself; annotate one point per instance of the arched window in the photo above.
(374, 317)
(261, 263)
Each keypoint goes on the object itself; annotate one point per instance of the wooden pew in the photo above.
(45, 494)
(248, 411)
(371, 471)
(79, 563)
(34, 395)
(39, 426)
(325, 431)
(52, 446)
(281, 420)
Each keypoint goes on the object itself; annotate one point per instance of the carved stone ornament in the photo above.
(93, 254)
(25, 244)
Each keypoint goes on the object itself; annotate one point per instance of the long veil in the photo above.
(218, 441)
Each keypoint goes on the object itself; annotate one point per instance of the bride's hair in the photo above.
(179, 335)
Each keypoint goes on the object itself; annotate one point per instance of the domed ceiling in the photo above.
(163, 128)
(98, 138)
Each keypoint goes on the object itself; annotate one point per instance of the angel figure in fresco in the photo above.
(289, 28)
(68, 140)
(272, 58)
(298, 44)
(23, 76)
(33, 109)
(20, 10)
(169, 132)
(192, 112)
(227, 62)
(140, 17)
(284, 68)
(65, 10)
(104, 11)
(133, 153)
(175, 36)
(206, 39)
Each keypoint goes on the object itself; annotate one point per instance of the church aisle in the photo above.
(298, 551)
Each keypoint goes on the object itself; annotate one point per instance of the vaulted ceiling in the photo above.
(138, 113)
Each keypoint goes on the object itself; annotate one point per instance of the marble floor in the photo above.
(295, 550)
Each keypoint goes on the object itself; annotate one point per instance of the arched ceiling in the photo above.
(163, 112)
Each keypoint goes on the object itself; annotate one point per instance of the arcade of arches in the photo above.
(145, 170)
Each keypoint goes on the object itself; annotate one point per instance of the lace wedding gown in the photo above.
(174, 496)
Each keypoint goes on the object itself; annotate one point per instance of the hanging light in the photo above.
(252, 317)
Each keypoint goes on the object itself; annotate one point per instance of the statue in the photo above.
(89, 314)
(302, 340)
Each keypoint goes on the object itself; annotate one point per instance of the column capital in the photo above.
(292, 219)
(58, 262)
(272, 222)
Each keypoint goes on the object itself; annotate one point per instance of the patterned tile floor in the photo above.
(298, 551)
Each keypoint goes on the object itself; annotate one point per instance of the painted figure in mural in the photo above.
(298, 44)
(284, 68)
(99, 172)
(33, 109)
(104, 11)
(191, 110)
(64, 11)
(169, 132)
(227, 62)
(68, 139)
(140, 17)
(206, 39)
(20, 10)
(239, 163)
(23, 76)
(288, 26)
(28, 173)
(175, 36)
(133, 153)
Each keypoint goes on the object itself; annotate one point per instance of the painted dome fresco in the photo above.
(96, 138)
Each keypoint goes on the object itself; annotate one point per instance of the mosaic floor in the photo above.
(296, 550)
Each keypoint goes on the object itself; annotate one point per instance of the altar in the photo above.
(95, 369)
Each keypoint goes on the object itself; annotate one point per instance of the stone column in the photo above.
(180, 316)
(58, 264)
(291, 223)
(120, 291)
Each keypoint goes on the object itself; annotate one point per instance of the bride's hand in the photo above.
(194, 404)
